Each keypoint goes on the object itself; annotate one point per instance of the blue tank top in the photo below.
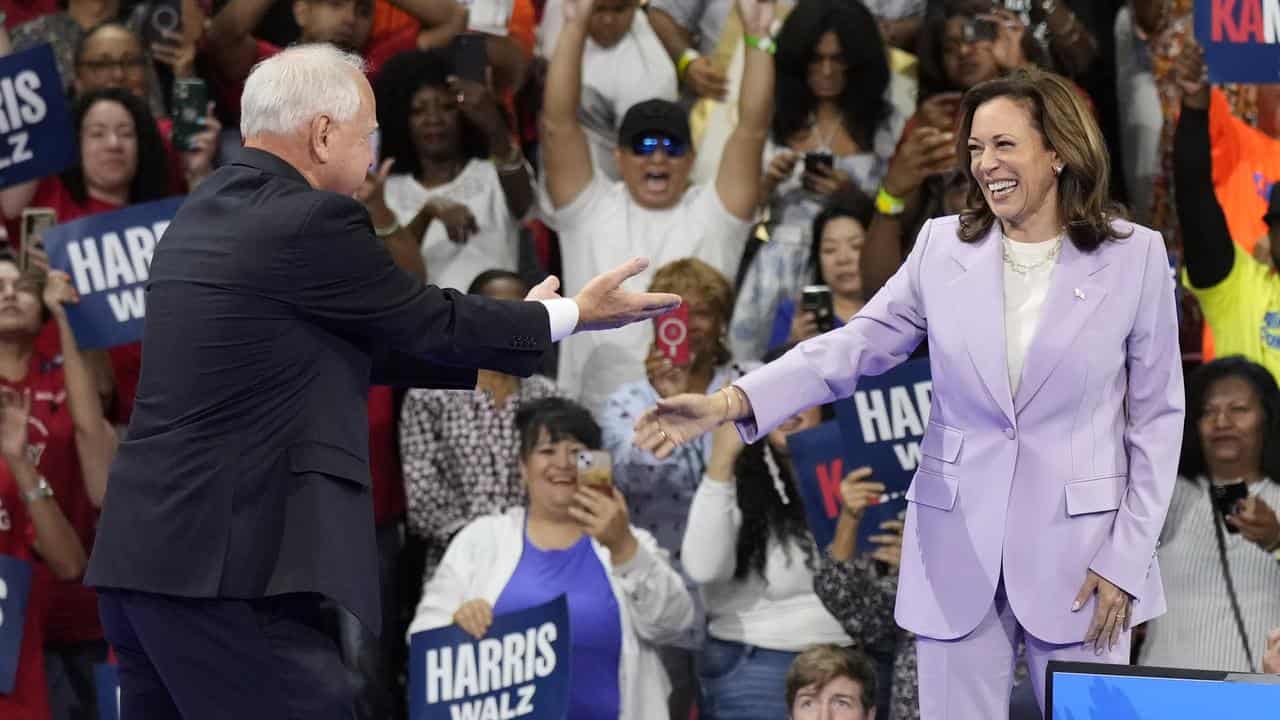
(595, 631)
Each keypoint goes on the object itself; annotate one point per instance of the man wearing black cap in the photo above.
(1239, 293)
(653, 210)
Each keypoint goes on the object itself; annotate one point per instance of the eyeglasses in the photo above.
(124, 64)
(649, 144)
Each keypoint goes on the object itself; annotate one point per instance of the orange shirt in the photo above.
(1246, 162)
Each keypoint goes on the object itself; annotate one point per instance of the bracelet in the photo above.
(686, 59)
(763, 44)
(725, 392)
(387, 229)
(39, 492)
(887, 204)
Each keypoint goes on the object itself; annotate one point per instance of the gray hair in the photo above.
(287, 90)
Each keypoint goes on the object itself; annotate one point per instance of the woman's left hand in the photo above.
(58, 292)
(826, 181)
(177, 51)
(603, 515)
(15, 409)
(198, 159)
(1110, 615)
(1257, 522)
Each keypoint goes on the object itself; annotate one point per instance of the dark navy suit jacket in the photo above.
(271, 308)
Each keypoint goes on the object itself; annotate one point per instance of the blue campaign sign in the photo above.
(34, 123)
(15, 587)
(817, 455)
(1116, 697)
(109, 258)
(107, 679)
(882, 425)
(1241, 39)
(520, 669)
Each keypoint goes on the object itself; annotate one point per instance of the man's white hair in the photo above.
(287, 90)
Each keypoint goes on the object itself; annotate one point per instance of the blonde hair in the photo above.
(1066, 125)
(821, 664)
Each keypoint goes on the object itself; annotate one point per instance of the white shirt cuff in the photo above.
(563, 313)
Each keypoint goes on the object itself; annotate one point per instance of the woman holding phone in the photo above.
(570, 539)
(1051, 451)
(1218, 547)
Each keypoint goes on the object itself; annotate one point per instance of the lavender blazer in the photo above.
(1074, 472)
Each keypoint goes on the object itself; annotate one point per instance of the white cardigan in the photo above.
(655, 606)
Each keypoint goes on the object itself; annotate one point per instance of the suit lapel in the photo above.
(977, 296)
(1073, 296)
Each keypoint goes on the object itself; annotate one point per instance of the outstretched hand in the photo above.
(675, 421)
(603, 304)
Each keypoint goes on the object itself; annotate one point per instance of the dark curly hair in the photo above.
(562, 419)
(151, 178)
(1192, 464)
(764, 516)
(400, 79)
(930, 45)
(863, 103)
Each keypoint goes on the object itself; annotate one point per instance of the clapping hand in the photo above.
(371, 192)
(457, 219)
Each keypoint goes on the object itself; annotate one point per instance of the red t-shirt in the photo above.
(30, 697)
(72, 614)
(384, 456)
(18, 12)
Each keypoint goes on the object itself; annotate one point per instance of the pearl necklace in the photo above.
(1024, 268)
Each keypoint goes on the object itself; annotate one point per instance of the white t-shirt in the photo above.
(604, 227)
(1024, 295)
(613, 79)
(495, 246)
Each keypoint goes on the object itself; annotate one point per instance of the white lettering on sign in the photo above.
(454, 673)
(22, 104)
(905, 413)
(496, 707)
(124, 259)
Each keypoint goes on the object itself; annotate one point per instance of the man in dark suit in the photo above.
(241, 500)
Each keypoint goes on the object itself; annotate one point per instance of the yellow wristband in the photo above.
(887, 204)
(686, 59)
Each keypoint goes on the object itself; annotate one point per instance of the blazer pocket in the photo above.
(328, 459)
(933, 489)
(941, 442)
(1098, 494)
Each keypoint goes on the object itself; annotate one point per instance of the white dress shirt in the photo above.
(1024, 295)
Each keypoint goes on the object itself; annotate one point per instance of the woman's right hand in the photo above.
(804, 325)
(890, 544)
(1007, 48)
(726, 446)
(456, 218)
(702, 77)
(474, 617)
(675, 421)
(15, 410)
(1192, 76)
(926, 151)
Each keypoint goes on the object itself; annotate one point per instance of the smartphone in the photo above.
(817, 300)
(980, 29)
(671, 332)
(470, 56)
(164, 17)
(190, 102)
(595, 468)
(35, 220)
(813, 159)
(1226, 497)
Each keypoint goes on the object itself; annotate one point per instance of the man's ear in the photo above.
(321, 137)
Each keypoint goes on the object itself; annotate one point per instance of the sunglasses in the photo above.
(648, 144)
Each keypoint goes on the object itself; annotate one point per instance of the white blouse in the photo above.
(1025, 289)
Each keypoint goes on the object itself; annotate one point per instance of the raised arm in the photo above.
(95, 439)
(435, 14)
(1207, 249)
(230, 40)
(738, 178)
(568, 159)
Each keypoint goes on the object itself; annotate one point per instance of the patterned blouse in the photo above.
(461, 459)
(862, 599)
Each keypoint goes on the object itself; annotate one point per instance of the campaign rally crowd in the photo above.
(533, 137)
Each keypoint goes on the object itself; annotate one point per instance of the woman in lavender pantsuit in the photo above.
(1050, 455)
